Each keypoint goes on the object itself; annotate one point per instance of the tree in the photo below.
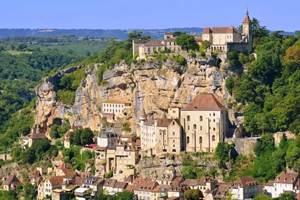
(82, 137)
(230, 84)
(287, 196)
(124, 196)
(234, 62)
(224, 153)
(262, 197)
(187, 42)
(193, 194)
(29, 191)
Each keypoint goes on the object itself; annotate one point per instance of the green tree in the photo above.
(287, 196)
(193, 194)
(187, 42)
(124, 196)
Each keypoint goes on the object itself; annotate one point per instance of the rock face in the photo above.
(150, 87)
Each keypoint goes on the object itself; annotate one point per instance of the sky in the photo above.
(145, 14)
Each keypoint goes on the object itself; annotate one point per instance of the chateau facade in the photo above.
(144, 50)
(204, 122)
(225, 39)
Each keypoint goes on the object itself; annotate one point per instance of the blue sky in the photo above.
(112, 14)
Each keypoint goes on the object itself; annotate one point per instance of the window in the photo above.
(173, 133)
(173, 123)
(187, 140)
(200, 128)
(173, 141)
(188, 118)
(188, 127)
(194, 126)
(200, 140)
(213, 138)
(214, 129)
(214, 114)
(201, 118)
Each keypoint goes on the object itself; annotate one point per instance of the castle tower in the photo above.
(246, 31)
(246, 27)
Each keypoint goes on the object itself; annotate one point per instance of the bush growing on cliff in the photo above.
(82, 137)
(59, 129)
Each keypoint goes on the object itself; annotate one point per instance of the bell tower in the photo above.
(246, 32)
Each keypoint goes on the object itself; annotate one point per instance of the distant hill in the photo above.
(98, 33)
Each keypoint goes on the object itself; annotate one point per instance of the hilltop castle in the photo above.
(221, 39)
(225, 39)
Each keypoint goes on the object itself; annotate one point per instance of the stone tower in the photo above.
(246, 31)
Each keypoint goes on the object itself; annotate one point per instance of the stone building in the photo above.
(149, 48)
(161, 136)
(204, 122)
(225, 39)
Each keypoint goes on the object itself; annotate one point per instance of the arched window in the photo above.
(187, 139)
(213, 138)
(188, 118)
(200, 140)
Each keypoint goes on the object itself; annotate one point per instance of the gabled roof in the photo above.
(229, 29)
(287, 177)
(246, 181)
(56, 180)
(204, 102)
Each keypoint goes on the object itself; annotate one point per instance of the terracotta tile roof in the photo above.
(69, 173)
(145, 184)
(154, 43)
(121, 185)
(229, 29)
(289, 177)
(222, 190)
(204, 102)
(246, 181)
(56, 180)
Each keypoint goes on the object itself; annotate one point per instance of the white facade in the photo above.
(148, 135)
(113, 108)
(107, 140)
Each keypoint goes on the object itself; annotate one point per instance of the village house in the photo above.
(204, 184)
(204, 122)
(286, 181)
(245, 188)
(113, 187)
(89, 189)
(149, 48)
(11, 183)
(225, 39)
(146, 189)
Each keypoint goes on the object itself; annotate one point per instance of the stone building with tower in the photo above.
(226, 39)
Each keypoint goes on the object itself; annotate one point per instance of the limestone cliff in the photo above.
(150, 87)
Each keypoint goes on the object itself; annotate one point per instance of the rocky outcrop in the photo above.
(150, 87)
